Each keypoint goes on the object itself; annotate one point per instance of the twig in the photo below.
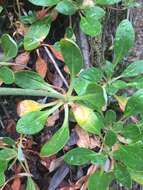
(56, 66)
(84, 48)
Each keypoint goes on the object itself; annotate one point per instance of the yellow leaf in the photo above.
(122, 101)
(27, 106)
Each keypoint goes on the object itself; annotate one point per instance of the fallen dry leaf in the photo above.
(56, 53)
(85, 140)
(16, 185)
(21, 61)
(52, 119)
(41, 66)
(20, 28)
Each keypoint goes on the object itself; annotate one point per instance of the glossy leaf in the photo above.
(110, 138)
(66, 7)
(107, 2)
(37, 33)
(30, 184)
(58, 140)
(9, 47)
(32, 122)
(134, 69)
(92, 74)
(6, 75)
(122, 175)
(44, 3)
(135, 104)
(90, 26)
(108, 68)
(99, 180)
(72, 56)
(79, 156)
(94, 12)
(93, 93)
(29, 80)
(124, 39)
(7, 154)
(87, 119)
(131, 155)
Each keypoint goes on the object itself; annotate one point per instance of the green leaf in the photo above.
(3, 165)
(110, 138)
(58, 140)
(1, 9)
(7, 154)
(87, 119)
(110, 117)
(137, 176)
(135, 104)
(2, 179)
(32, 122)
(94, 92)
(37, 33)
(124, 40)
(30, 184)
(108, 68)
(93, 12)
(7, 140)
(72, 56)
(122, 175)
(79, 156)
(99, 180)
(44, 3)
(80, 85)
(9, 47)
(115, 86)
(107, 2)
(90, 26)
(134, 69)
(29, 80)
(92, 74)
(131, 155)
(132, 132)
(6, 75)
(66, 7)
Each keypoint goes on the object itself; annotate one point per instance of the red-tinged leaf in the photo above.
(21, 61)
(41, 67)
(56, 53)
(16, 185)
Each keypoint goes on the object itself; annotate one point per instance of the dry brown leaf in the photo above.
(83, 140)
(16, 185)
(52, 119)
(20, 28)
(41, 66)
(21, 61)
(56, 53)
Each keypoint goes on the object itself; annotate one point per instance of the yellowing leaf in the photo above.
(122, 101)
(87, 119)
(27, 106)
